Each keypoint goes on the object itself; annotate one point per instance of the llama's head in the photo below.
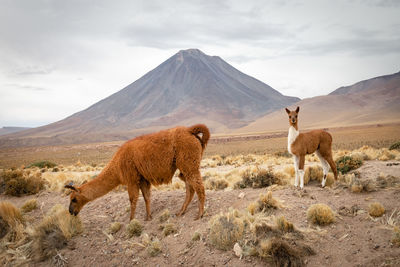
(77, 200)
(293, 116)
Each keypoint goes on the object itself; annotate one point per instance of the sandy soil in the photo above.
(353, 240)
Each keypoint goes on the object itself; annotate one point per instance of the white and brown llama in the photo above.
(301, 144)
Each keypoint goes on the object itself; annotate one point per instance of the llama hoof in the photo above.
(198, 217)
(179, 214)
(149, 218)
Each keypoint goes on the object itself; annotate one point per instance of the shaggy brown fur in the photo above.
(307, 143)
(151, 160)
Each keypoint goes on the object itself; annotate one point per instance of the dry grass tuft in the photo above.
(134, 228)
(164, 216)
(283, 225)
(347, 163)
(154, 247)
(376, 209)
(281, 253)
(11, 222)
(169, 228)
(29, 205)
(53, 233)
(396, 236)
(313, 173)
(196, 236)
(289, 170)
(266, 202)
(358, 186)
(226, 229)
(114, 227)
(215, 184)
(252, 208)
(320, 214)
(395, 146)
(257, 178)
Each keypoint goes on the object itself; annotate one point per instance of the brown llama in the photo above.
(301, 144)
(150, 160)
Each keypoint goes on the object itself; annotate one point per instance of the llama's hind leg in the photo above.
(145, 187)
(133, 191)
(193, 178)
(296, 170)
(325, 167)
(188, 198)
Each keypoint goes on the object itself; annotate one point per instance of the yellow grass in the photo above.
(320, 214)
(376, 209)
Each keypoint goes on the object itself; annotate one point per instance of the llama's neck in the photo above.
(101, 185)
(293, 133)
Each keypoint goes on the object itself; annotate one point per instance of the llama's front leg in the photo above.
(301, 170)
(133, 191)
(296, 170)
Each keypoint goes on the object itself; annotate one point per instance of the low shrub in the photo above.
(114, 227)
(320, 214)
(258, 178)
(29, 205)
(395, 146)
(43, 164)
(376, 209)
(281, 253)
(164, 216)
(10, 221)
(358, 185)
(134, 228)
(313, 173)
(169, 228)
(215, 184)
(18, 182)
(196, 236)
(226, 229)
(53, 233)
(347, 163)
(266, 202)
(283, 225)
(154, 247)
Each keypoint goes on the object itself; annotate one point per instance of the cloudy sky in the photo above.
(60, 57)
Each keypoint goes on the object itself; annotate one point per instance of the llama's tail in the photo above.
(200, 128)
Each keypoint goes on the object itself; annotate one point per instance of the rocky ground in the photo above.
(354, 239)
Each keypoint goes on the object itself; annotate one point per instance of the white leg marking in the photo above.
(325, 167)
(301, 174)
(296, 170)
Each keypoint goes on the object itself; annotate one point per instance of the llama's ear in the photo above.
(287, 111)
(297, 109)
(70, 186)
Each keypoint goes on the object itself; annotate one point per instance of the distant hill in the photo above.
(190, 87)
(372, 101)
(10, 130)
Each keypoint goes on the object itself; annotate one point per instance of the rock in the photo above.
(238, 250)
(241, 195)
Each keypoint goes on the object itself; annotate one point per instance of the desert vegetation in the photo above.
(251, 208)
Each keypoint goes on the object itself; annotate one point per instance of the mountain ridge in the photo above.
(371, 101)
(189, 87)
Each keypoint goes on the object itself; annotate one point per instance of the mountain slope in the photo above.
(190, 87)
(367, 102)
